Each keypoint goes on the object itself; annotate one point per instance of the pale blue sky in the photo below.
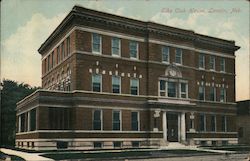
(25, 24)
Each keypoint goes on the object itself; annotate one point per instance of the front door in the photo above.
(172, 126)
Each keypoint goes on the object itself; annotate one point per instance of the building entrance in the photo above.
(172, 127)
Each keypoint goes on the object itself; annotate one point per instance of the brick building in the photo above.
(114, 82)
(243, 121)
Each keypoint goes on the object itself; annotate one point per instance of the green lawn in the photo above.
(123, 155)
(13, 157)
(237, 148)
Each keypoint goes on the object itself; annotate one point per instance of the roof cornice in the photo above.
(107, 19)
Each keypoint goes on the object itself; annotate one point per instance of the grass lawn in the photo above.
(237, 148)
(122, 155)
(13, 157)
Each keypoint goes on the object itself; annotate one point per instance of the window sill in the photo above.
(165, 62)
(201, 68)
(98, 53)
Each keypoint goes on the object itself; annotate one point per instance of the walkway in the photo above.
(24, 155)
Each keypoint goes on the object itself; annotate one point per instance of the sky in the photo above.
(26, 24)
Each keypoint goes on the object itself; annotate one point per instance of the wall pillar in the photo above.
(164, 125)
(183, 127)
(28, 129)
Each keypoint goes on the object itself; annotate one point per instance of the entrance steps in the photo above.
(177, 145)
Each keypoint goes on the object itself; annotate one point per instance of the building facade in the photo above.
(243, 121)
(114, 82)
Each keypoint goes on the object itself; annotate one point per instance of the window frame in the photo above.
(204, 93)
(162, 54)
(100, 82)
(137, 49)
(120, 120)
(181, 55)
(186, 90)
(101, 119)
(201, 55)
(138, 121)
(162, 91)
(224, 123)
(202, 123)
(224, 95)
(213, 129)
(211, 57)
(138, 86)
(176, 88)
(93, 43)
(214, 94)
(68, 46)
(113, 76)
(222, 65)
(119, 47)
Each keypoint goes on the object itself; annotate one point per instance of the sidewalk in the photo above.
(26, 156)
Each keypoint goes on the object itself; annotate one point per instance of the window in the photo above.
(222, 65)
(201, 93)
(33, 119)
(97, 145)
(116, 120)
(22, 122)
(224, 142)
(202, 61)
(116, 84)
(171, 89)
(178, 56)
(53, 60)
(162, 88)
(117, 144)
(116, 43)
(183, 90)
(202, 122)
(61, 145)
(60, 118)
(212, 94)
(213, 123)
(62, 50)
(214, 143)
(133, 49)
(134, 85)
(58, 54)
(96, 43)
(212, 62)
(68, 45)
(96, 82)
(135, 144)
(97, 120)
(222, 95)
(165, 54)
(191, 123)
(135, 121)
(48, 63)
(224, 123)
(45, 65)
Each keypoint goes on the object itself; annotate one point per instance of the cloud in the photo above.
(100, 6)
(20, 59)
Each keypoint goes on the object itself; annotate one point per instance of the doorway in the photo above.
(172, 127)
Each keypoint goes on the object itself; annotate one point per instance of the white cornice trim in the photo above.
(208, 132)
(89, 139)
(215, 139)
(87, 131)
(188, 47)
